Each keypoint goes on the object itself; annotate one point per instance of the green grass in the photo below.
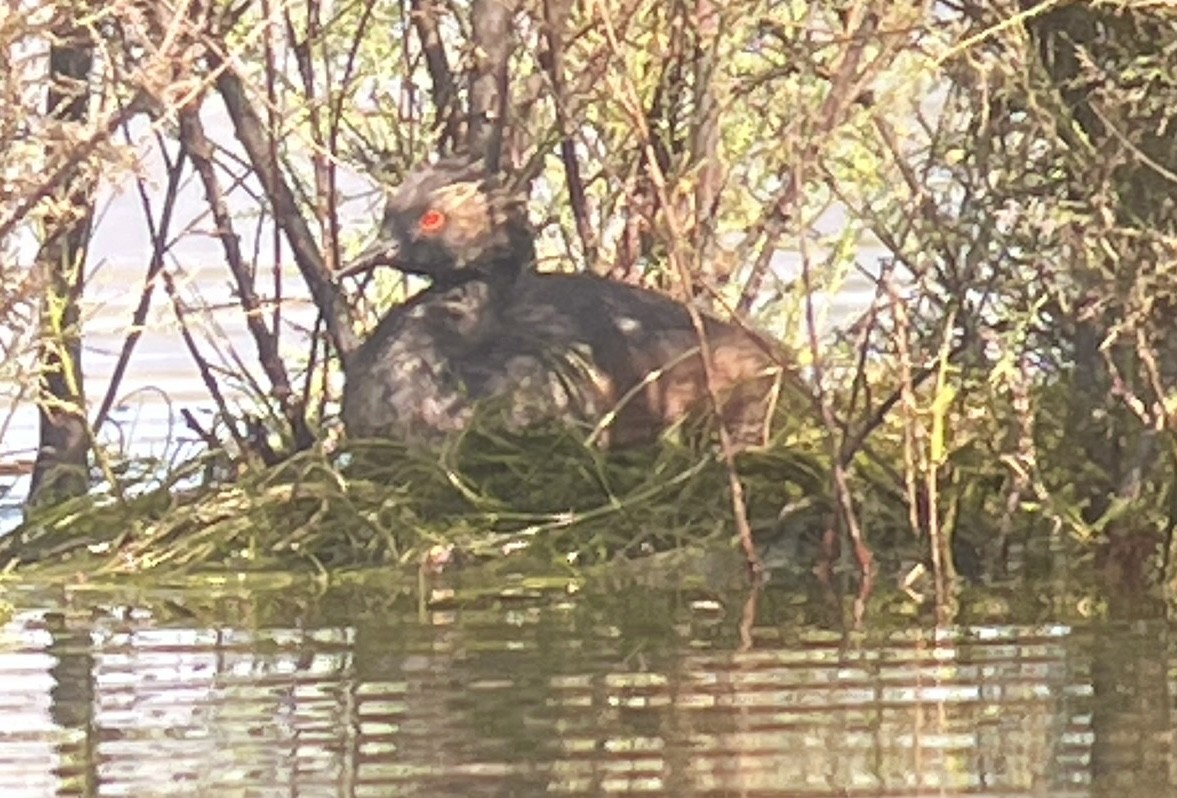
(542, 494)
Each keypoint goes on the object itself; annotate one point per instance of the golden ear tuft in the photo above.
(459, 196)
(465, 206)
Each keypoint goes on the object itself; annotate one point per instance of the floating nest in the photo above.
(485, 494)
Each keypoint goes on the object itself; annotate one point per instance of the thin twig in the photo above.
(159, 247)
(845, 500)
(253, 137)
(845, 89)
(552, 61)
(199, 150)
(202, 365)
(424, 14)
(727, 449)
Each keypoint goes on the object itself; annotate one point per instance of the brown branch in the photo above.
(491, 40)
(551, 60)
(845, 89)
(159, 247)
(341, 97)
(326, 141)
(323, 167)
(301, 52)
(704, 141)
(199, 149)
(65, 171)
(202, 365)
(845, 501)
(256, 141)
(424, 14)
(210, 440)
(658, 183)
(643, 201)
(60, 470)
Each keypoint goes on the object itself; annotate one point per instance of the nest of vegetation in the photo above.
(485, 494)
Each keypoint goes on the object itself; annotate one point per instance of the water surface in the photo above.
(384, 688)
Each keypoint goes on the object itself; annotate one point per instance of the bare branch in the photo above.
(492, 42)
(251, 133)
(198, 147)
(445, 91)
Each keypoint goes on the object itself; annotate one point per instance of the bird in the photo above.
(621, 361)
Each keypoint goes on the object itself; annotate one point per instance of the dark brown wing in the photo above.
(647, 348)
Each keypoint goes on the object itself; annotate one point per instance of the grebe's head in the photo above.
(448, 218)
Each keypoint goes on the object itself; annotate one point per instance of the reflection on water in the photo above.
(358, 692)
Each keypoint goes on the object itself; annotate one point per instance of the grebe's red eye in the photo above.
(431, 221)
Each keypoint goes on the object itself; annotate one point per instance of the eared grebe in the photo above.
(540, 346)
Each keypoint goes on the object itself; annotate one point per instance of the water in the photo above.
(379, 690)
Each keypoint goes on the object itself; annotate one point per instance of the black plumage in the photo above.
(541, 346)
